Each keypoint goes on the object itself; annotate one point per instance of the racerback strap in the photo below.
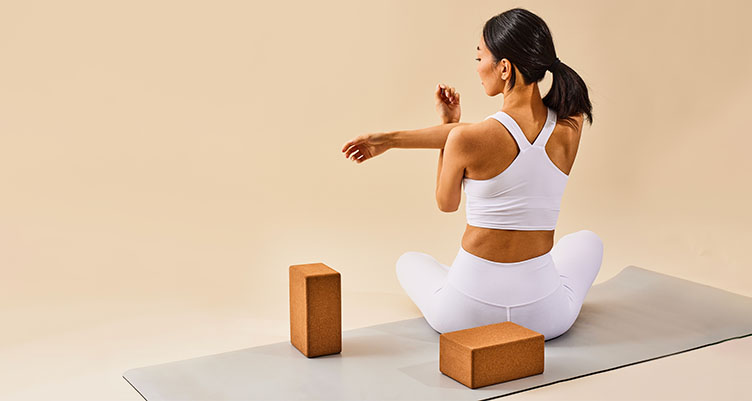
(519, 136)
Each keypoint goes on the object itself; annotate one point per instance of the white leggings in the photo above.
(544, 294)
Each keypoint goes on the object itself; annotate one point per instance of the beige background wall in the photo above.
(163, 163)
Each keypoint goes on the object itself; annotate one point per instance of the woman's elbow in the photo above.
(447, 208)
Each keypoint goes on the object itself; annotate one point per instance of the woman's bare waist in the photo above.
(506, 245)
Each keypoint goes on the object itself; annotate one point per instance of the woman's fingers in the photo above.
(453, 95)
(354, 152)
(448, 93)
(350, 145)
(357, 149)
(350, 151)
(443, 92)
(357, 156)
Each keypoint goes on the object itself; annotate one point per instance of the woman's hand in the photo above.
(366, 146)
(447, 104)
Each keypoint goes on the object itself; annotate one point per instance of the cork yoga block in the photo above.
(491, 354)
(315, 309)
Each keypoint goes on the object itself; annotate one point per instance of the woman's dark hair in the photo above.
(523, 38)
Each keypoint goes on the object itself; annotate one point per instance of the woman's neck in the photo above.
(525, 100)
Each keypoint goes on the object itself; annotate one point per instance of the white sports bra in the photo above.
(527, 194)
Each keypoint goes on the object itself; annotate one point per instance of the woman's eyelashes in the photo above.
(477, 59)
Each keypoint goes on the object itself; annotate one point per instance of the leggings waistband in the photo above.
(504, 283)
(526, 264)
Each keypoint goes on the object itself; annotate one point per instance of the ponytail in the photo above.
(568, 95)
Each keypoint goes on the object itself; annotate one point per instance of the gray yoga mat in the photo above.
(635, 316)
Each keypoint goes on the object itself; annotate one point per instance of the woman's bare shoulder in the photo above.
(478, 127)
(469, 130)
(475, 137)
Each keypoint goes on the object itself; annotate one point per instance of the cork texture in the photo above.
(315, 309)
(491, 354)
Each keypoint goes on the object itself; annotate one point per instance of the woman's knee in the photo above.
(406, 260)
(402, 262)
(593, 246)
(557, 332)
(579, 254)
(593, 240)
(409, 263)
(586, 238)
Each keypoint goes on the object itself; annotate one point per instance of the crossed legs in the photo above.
(577, 257)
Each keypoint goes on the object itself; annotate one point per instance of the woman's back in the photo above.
(496, 151)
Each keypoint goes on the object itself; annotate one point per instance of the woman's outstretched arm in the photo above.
(367, 146)
(424, 138)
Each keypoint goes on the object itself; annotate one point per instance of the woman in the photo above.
(514, 166)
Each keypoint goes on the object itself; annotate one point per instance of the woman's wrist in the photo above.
(391, 139)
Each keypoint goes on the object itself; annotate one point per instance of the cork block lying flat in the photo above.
(315, 309)
(491, 354)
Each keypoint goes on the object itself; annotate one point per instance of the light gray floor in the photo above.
(635, 316)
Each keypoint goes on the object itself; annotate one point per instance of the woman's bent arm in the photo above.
(423, 138)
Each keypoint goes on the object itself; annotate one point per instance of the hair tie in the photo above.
(554, 64)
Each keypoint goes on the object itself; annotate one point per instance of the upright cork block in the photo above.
(491, 354)
(315, 309)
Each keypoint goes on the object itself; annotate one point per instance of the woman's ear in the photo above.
(504, 68)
